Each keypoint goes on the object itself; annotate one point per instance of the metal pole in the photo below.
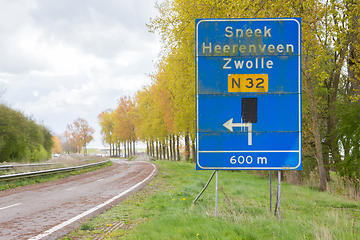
(207, 184)
(216, 193)
(279, 194)
(270, 190)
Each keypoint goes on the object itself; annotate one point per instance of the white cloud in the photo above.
(67, 59)
(4, 81)
(131, 82)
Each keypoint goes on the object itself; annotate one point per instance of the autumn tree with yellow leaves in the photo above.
(163, 113)
(124, 125)
(107, 124)
(155, 122)
(56, 149)
(79, 134)
(330, 33)
(118, 127)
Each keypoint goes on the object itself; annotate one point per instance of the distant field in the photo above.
(164, 210)
(91, 151)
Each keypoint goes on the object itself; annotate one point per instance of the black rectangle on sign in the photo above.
(249, 110)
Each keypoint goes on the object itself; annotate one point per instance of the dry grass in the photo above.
(338, 185)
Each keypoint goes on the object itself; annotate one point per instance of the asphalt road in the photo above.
(52, 209)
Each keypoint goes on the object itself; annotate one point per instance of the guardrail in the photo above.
(8, 167)
(45, 172)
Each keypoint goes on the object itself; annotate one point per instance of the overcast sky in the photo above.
(65, 59)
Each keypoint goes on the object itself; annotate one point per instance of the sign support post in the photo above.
(216, 194)
(248, 96)
(278, 198)
(207, 184)
(270, 191)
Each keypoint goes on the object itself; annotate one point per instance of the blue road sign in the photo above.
(248, 94)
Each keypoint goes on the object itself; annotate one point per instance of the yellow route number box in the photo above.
(248, 83)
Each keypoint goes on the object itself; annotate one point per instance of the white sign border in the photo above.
(197, 98)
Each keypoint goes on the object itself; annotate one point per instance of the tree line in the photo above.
(123, 126)
(330, 73)
(164, 111)
(22, 138)
(117, 128)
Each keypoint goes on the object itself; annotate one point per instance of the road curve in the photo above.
(52, 209)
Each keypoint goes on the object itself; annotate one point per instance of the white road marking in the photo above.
(100, 180)
(54, 229)
(71, 188)
(10, 206)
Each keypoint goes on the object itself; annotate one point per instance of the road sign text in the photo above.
(252, 49)
(248, 82)
(249, 64)
(248, 94)
(247, 160)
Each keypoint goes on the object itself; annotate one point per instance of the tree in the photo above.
(57, 145)
(124, 127)
(348, 115)
(21, 138)
(47, 139)
(66, 145)
(330, 73)
(107, 127)
(12, 137)
(80, 133)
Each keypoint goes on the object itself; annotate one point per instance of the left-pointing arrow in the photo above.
(229, 125)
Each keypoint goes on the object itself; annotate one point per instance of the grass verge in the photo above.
(46, 178)
(164, 210)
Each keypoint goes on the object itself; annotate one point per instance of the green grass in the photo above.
(46, 178)
(164, 210)
(87, 226)
(132, 158)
